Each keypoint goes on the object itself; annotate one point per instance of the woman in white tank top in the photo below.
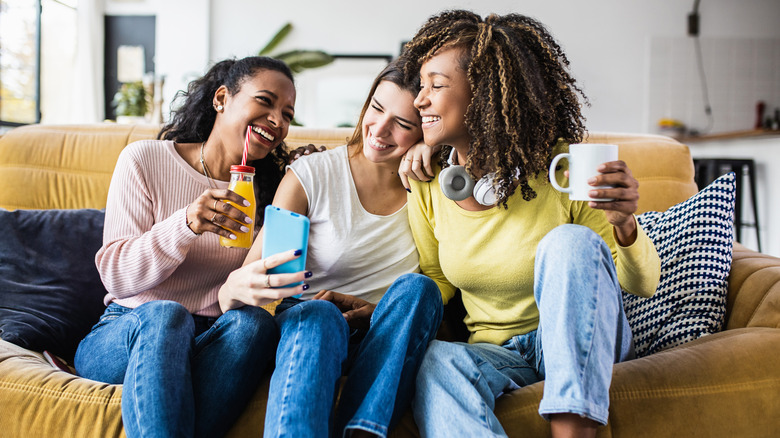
(368, 314)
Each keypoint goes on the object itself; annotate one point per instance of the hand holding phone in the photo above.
(284, 230)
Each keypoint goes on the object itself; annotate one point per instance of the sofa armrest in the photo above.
(754, 290)
(37, 399)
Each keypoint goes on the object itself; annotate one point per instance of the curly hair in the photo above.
(523, 98)
(193, 118)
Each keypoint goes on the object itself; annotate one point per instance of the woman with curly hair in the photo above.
(187, 368)
(540, 275)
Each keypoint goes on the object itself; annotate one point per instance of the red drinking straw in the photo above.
(246, 145)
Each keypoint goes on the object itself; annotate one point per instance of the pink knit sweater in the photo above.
(148, 251)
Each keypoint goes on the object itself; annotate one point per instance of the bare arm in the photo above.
(289, 196)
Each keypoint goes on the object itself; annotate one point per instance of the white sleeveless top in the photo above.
(351, 251)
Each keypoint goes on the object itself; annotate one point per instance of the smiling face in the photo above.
(443, 99)
(266, 103)
(391, 125)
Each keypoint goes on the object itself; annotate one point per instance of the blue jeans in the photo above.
(182, 375)
(317, 348)
(582, 332)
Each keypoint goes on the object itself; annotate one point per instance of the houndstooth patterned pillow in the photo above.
(694, 241)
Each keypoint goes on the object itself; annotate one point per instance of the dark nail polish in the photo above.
(298, 252)
(308, 274)
(305, 286)
(409, 190)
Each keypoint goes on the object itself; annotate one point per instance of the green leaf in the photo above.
(299, 60)
(280, 35)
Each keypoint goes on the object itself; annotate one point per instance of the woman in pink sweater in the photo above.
(188, 369)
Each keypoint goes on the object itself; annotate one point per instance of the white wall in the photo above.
(607, 41)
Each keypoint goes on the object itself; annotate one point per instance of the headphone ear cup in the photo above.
(484, 192)
(455, 183)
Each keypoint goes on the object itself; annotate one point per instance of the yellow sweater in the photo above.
(489, 255)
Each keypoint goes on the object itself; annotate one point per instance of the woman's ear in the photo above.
(219, 98)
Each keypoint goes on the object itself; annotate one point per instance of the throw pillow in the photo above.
(50, 290)
(694, 241)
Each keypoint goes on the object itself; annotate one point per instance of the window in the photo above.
(37, 38)
(19, 61)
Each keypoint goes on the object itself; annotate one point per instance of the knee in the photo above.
(569, 240)
(415, 292)
(319, 315)
(253, 323)
(166, 317)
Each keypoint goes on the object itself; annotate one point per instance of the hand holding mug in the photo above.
(597, 176)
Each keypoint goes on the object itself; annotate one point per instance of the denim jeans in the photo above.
(317, 348)
(182, 375)
(582, 332)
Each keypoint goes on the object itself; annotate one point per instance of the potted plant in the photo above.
(131, 102)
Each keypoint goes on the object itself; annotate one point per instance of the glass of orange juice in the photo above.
(242, 183)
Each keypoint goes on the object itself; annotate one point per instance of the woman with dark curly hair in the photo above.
(540, 275)
(187, 368)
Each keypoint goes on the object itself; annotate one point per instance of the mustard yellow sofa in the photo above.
(723, 385)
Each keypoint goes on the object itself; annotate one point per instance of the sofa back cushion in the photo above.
(70, 166)
(50, 290)
(62, 166)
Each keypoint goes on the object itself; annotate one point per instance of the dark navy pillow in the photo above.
(694, 240)
(50, 290)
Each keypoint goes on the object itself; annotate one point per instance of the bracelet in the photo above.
(188, 226)
(189, 222)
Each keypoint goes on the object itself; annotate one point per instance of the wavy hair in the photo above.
(523, 97)
(194, 116)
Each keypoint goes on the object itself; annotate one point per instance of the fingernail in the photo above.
(247, 220)
(247, 203)
(244, 229)
(233, 237)
(305, 286)
(592, 180)
(297, 156)
(298, 252)
(308, 274)
(409, 190)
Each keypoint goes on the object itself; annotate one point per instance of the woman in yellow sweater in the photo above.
(540, 275)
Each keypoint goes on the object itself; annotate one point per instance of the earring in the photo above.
(219, 107)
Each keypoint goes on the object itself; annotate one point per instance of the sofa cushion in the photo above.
(694, 241)
(50, 290)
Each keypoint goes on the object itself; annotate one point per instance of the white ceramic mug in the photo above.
(584, 159)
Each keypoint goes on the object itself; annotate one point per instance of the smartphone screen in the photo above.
(284, 230)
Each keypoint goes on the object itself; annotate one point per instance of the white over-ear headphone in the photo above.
(456, 184)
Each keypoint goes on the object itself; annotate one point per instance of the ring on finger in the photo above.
(214, 218)
(267, 281)
(215, 204)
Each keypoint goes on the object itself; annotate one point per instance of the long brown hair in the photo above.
(523, 97)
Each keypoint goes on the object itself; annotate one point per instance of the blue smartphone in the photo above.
(284, 230)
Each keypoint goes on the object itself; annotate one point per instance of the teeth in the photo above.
(429, 119)
(263, 133)
(374, 142)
